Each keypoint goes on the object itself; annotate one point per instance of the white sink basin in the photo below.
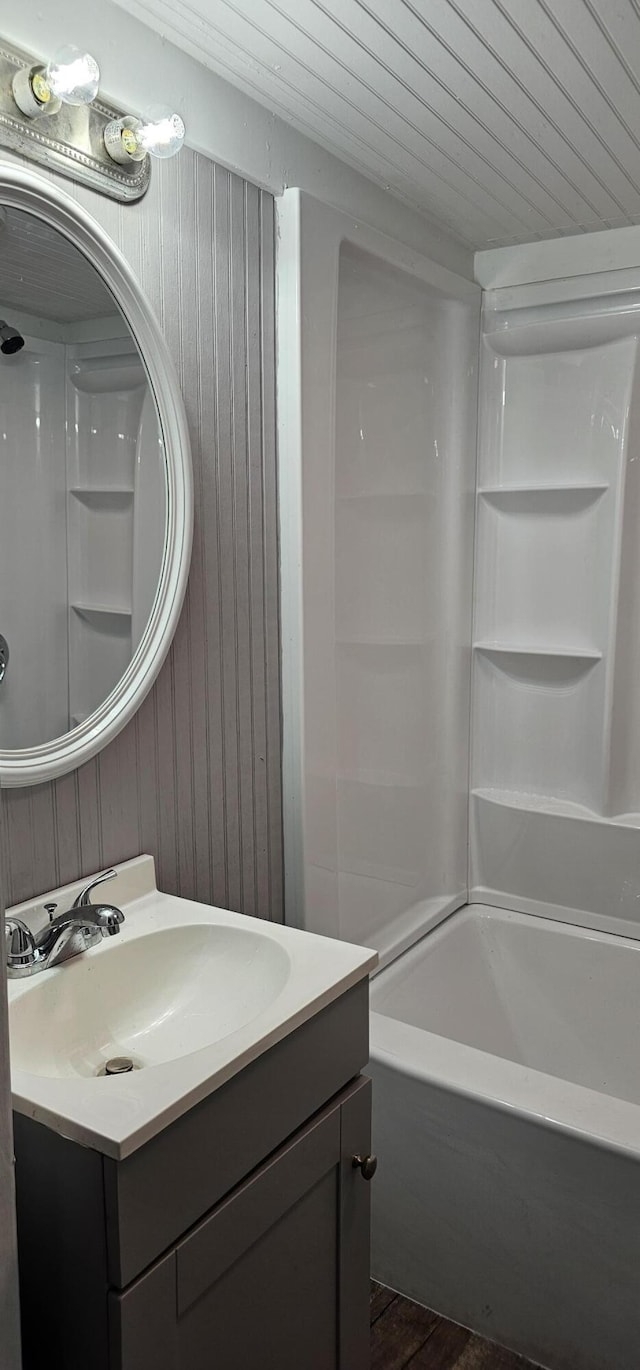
(152, 999)
(190, 994)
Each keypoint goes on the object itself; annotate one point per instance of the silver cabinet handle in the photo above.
(4, 657)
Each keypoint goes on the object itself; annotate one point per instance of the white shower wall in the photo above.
(381, 527)
(33, 484)
(555, 759)
(82, 517)
(116, 514)
(377, 398)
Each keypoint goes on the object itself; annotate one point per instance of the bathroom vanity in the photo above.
(206, 1209)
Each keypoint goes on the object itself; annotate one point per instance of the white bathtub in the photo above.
(506, 1066)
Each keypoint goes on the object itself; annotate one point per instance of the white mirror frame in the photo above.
(23, 189)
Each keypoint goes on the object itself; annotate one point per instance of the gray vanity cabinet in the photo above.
(236, 1239)
(275, 1276)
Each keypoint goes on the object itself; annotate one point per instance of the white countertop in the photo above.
(117, 1115)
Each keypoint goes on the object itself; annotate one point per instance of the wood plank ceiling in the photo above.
(506, 120)
(43, 273)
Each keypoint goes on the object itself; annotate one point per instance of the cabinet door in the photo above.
(276, 1276)
(355, 1231)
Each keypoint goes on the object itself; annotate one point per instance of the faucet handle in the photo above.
(83, 898)
(20, 943)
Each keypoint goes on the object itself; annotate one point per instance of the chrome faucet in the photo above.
(71, 933)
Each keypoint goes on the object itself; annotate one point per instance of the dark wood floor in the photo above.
(404, 1334)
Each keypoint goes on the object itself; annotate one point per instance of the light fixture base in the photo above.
(70, 141)
(26, 95)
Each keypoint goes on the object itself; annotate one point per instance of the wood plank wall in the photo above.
(9, 1298)
(195, 779)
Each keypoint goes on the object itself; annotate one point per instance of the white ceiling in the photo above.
(42, 273)
(506, 120)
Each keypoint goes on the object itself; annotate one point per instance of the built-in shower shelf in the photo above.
(544, 498)
(562, 653)
(545, 665)
(103, 495)
(536, 803)
(100, 612)
(519, 333)
(100, 376)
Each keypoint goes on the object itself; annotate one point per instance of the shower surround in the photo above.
(555, 803)
(82, 476)
(460, 790)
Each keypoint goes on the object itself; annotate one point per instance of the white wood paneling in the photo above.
(140, 65)
(9, 1303)
(44, 274)
(506, 120)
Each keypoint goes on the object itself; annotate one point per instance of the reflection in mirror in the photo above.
(82, 485)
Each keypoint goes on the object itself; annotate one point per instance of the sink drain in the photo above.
(118, 1065)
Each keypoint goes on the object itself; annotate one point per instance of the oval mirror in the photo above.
(96, 502)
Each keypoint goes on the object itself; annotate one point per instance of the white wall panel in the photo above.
(376, 516)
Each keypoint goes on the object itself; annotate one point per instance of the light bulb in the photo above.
(73, 76)
(160, 133)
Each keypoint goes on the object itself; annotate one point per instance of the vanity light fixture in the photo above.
(53, 113)
(71, 77)
(159, 133)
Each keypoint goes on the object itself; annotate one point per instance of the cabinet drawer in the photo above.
(276, 1275)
